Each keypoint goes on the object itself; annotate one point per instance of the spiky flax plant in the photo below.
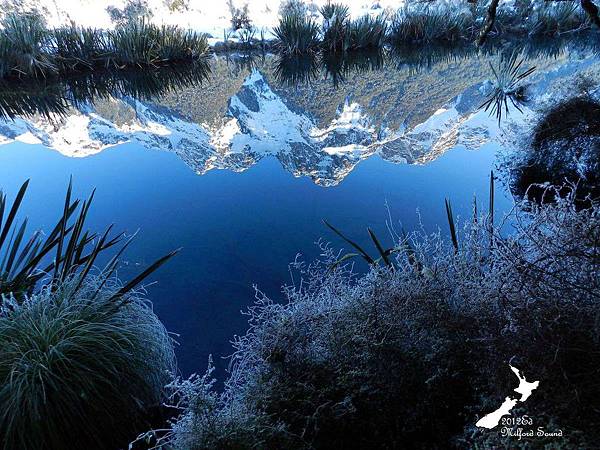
(83, 358)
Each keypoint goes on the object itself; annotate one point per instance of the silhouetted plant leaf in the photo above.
(364, 254)
(450, 217)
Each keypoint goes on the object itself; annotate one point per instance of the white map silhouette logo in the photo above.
(525, 388)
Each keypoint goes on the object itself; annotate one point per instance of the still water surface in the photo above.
(242, 224)
(236, 229)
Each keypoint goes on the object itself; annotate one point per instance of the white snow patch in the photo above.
(28, 138)
(351, 149)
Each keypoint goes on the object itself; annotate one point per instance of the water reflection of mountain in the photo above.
(257, 123)
(232, 112)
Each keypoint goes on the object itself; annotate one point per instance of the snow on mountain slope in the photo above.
(260, 123)
(263, 119)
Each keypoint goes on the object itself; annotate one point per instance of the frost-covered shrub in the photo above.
(411, 358)
(177, 5)
(79, 368)
(548, 293)
(293, 7)
(565, 149)
(217, 422)
(372, 362)
(133, 10)
(367, 32)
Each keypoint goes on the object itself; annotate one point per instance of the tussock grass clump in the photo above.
(5, 56)
(412, 355)
(25, 46)
(83, 359)
(28, 49)
(426, 24)
(296, 35)
(135, 44)
(367, 32)
(144, 44)
(176, 44)
(299, 34)
(79, 370)
(79, 47)
(335, 26)
(508, 85)
(549, 18)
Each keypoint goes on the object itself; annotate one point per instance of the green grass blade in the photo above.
(411, 254)
(7, 253)
(111, 266)
(91, 258)
(62, 233)
(70, 264)
(30, 249)
(491, 206)
(15, 248)
(2, 205)
(344, 258)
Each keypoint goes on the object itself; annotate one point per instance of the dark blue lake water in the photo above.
(240, 170)
(235, 229)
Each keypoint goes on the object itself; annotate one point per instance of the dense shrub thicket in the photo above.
(565, 148)
(412, 357)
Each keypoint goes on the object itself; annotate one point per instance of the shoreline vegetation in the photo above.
(305, 29)
(411, 353)
(56, 97)
(84, 360)
(51, 97)
(28, 49)
(408, 353)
